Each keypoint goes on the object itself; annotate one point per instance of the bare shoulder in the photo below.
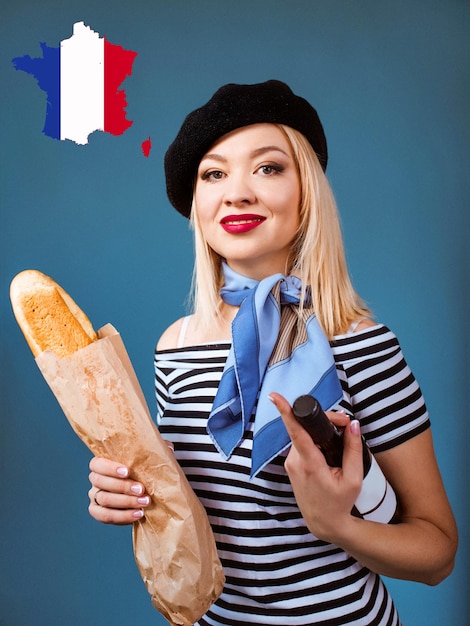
(366, 322)
(186, 332)
(169, 338)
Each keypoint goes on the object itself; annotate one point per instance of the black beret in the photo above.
(231, 107)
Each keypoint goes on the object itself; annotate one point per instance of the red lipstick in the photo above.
(235, 224)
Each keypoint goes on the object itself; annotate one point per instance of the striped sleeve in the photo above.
(379, 387)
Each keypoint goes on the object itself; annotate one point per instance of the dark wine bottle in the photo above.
(377, 500)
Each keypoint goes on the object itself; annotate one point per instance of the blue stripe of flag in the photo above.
(46, 70)
(50, 78)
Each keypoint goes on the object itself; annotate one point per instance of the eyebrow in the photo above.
(258, 152)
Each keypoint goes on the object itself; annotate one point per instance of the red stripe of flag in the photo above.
(117, 65)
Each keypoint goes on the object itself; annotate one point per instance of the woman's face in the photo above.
(247, 199)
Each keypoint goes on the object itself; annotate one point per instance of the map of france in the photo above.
(82, 79)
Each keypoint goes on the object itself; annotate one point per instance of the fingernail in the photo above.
(355, 428)
(138, 514)
(122, 471)
(137, 489)
(144, 501)
(271, 398)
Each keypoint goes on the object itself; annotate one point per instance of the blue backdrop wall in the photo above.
(390, 81)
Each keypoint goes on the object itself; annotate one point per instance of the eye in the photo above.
(212, 175)
(270, 169)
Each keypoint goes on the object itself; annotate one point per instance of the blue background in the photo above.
(390, 81)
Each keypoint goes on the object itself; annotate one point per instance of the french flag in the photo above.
(81, 78)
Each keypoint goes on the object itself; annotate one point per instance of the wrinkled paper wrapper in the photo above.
(174, 546)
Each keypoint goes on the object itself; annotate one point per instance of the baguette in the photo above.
(98, 390)
(48, 316)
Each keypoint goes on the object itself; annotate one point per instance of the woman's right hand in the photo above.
(114, 497)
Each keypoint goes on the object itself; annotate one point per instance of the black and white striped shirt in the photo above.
(277, 572)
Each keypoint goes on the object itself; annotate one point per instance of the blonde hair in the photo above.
(318, 256)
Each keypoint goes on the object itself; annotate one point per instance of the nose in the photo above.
(239, 191)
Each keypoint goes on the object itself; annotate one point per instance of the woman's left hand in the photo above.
(420, 547)
(325, 495)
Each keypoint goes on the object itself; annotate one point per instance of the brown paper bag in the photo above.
(173, 544)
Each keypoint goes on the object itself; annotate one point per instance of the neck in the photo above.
(258, 271)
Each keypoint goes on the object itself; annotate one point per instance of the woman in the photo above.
(248, 169)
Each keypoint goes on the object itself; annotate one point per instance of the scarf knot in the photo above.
(276, 346)
(237, 287)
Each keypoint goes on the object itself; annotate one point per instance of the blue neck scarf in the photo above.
(276, 346)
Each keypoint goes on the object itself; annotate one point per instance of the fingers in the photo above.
(353, 465)
(113, 477)
(103, 509)
(117, 500)
(295, 430)
(352, 454)
(108, 468)
(114, 497)
(301, 440)
(338, 418)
